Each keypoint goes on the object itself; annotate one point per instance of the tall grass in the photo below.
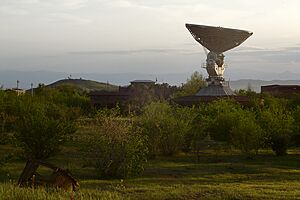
(9, 191)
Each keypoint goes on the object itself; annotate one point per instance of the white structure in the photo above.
(217, 40)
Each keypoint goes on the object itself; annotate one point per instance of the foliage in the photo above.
(66, 95)
(166, 127)
(192, 85)
(223, 115)
(41, 127)
(279, 144)
(197, 132)
(8, 101)
(179, 177)
(246, 92)
(246, 134)
(275, 119)
(295, 139)
(296, 116)
(118, 146)
(227, 121)
(141, 96)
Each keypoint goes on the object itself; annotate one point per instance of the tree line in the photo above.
(121, 143)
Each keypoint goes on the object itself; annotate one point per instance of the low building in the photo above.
(18, 91)
(142, 82)
(285, 91)
(196, 100)
(138, 93)
(101, 99)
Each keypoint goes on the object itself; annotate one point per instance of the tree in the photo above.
(278, 124)
(246, 134)
(66, 95)
(119, 148)
(223, 115)
(192, 86)
(8, 102)
(295, 138)
(166, 127)
(141, 95)
(198, 134)
(41, 127)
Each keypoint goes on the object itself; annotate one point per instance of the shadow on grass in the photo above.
(225, 169)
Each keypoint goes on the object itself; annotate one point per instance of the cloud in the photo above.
(65, 4)
(296, 48)
(18, 2)
(28, 1)
(68, 17)
(277, 56)
(74, 4)
(152, 4)
(10, 10)
(129, 52)
(191, 44)
(248, 49)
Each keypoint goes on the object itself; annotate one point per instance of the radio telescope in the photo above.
(217, 40)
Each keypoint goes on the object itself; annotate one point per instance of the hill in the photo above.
(85, 85)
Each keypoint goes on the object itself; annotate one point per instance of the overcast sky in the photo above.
(143, 36)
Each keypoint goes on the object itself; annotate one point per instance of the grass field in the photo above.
(225, 175)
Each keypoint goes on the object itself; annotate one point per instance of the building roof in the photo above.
(215, 90)
(107, 93)
(142, 81)
(280, 86)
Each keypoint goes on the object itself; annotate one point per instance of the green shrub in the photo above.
(41, 127)
(277, 123)
(8, 101)
(166, 127)
(66, 96)
(119, 148)
(222, 116)
(247, 135)
(192, 85)
(197, 133)
(296, 116)
(279, 144)
(295, 139)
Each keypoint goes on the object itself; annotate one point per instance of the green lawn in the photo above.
(226, 175)
(222, 175)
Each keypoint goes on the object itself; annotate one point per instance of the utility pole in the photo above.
(31, 89)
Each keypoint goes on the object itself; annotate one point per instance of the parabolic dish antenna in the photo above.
(217, 40)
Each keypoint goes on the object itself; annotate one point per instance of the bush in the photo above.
(221, 116)
(296, 116)
(41, 127)
(280, 143)
(166, 127)
(295, 139)
(247, 135)
(277, 122)
(118, 146)
(197, 133)
(67, 96)
(7, 119)
(192, 86)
